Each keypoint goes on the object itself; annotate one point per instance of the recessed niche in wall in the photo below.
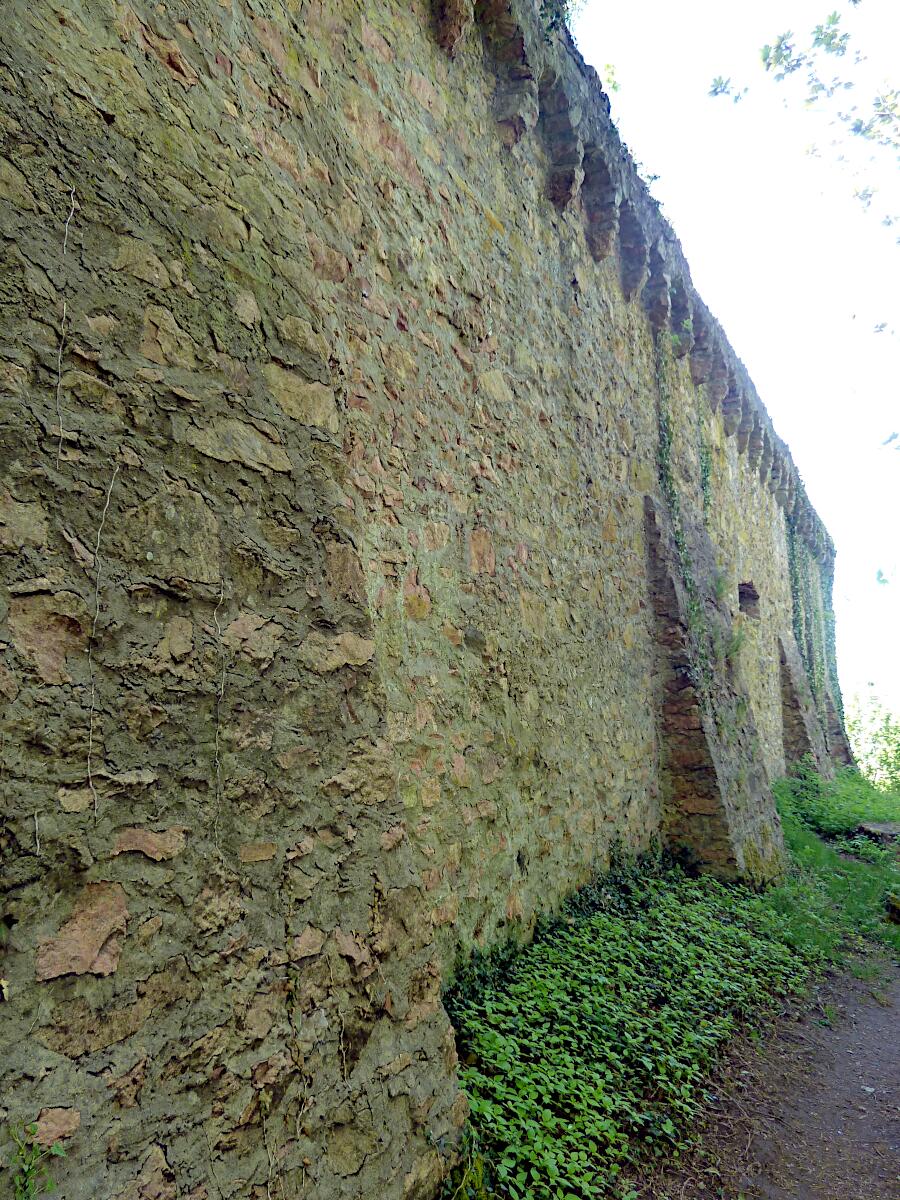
(748, 598)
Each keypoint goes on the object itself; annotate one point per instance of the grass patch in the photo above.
(836, 806)
(831, 903)
(584, 1054)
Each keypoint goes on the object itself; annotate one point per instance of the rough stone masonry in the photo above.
(387, 531)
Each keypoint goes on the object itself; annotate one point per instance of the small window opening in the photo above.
(748, 598)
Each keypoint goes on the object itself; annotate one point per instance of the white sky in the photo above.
(797, 273)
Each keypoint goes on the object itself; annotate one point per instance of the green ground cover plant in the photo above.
(836, 806)
(865, 848)
(832, 903)
(29, 1162)
(584, 1054)
(588, 1050)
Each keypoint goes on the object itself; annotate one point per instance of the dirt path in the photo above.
(815, 1115)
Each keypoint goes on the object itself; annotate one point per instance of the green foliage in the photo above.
(705, 476)
(865, 848)
(584, 1054)
(680, 337)
(722, 86)
(704, 450)
(587, 1051)
(826, 70)
(794, 546)
(831, 903)
(28, 1161)
(610, 80)
(470, 1181)
(558, 14)
(875, 735)
(721, 585)
(827, 577)
(735, 642)
(836, 806)
(813, 619)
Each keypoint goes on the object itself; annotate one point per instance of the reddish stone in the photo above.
(482, 558)
(158, 846)
(56, 1124)
(90, 941)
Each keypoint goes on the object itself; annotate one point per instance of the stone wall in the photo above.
(381, 518)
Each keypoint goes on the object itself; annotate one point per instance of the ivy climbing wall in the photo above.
(381, 517)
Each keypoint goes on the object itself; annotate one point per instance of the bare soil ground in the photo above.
(814, 1114)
